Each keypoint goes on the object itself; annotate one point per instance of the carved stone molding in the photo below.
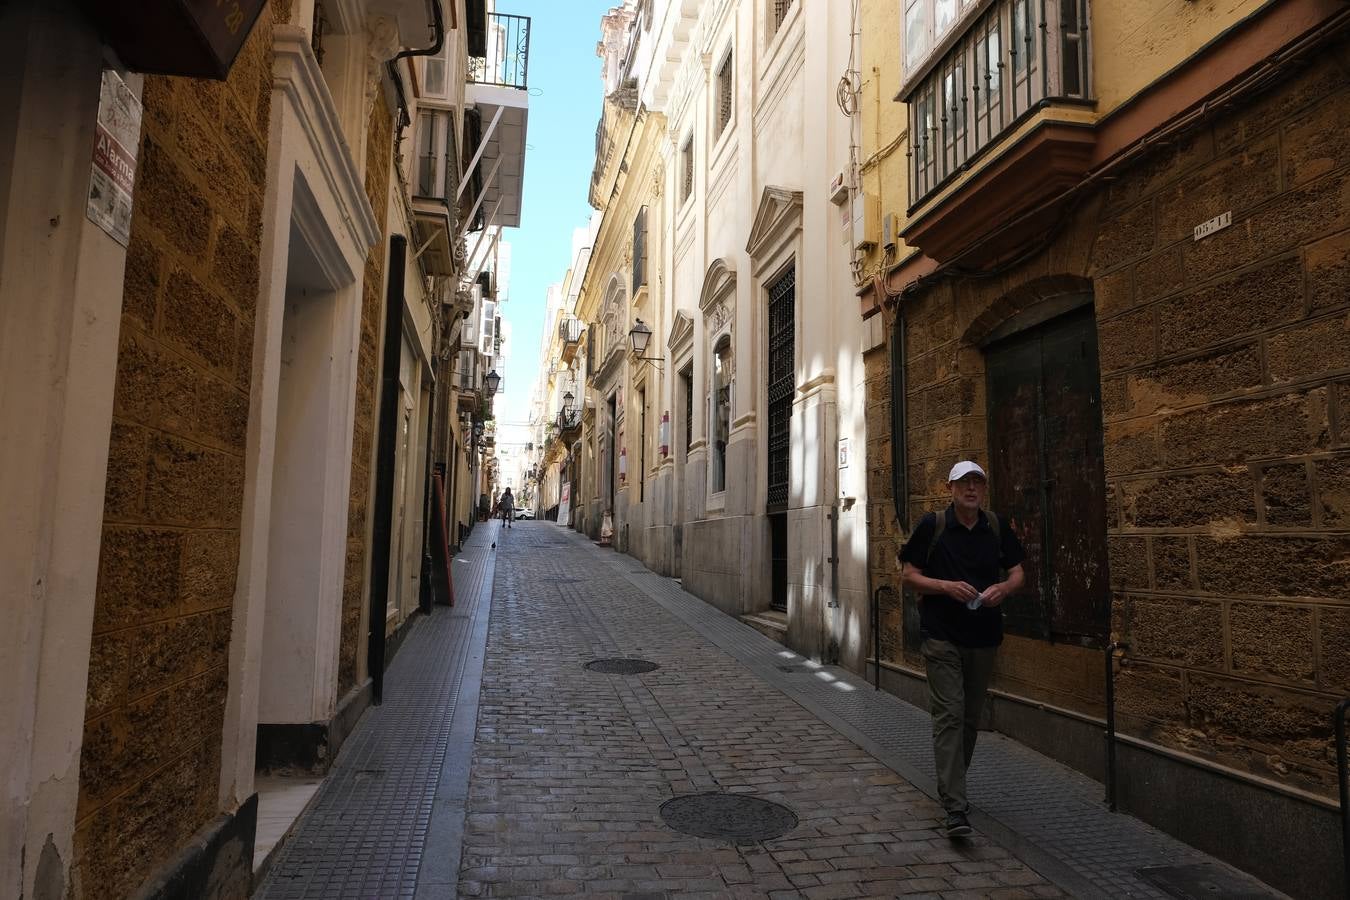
(382, 43)
(777, 220)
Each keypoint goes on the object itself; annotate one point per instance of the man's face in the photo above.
(968, 492)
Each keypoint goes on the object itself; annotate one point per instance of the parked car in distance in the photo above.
(524, 513)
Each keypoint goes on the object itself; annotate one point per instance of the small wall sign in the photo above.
(113, 173)
(1218, 223)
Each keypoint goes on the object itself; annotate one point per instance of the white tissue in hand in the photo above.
(975, 603)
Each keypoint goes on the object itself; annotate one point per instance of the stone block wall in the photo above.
(379, 162)
(150, 765)
(1225, 367)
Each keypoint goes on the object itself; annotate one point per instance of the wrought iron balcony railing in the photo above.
(1015, 58)
(568, 419)
(507, 59)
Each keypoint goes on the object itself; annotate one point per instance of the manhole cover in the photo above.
(732, 817)
(621, 666)
(1202, 881)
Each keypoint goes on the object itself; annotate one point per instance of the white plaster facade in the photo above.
(754, 138)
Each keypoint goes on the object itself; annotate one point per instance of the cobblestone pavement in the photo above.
(499, 766)
(570, 767)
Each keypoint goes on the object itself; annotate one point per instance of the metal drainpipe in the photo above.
(386, 446)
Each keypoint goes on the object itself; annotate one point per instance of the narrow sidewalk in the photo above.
(365, 833)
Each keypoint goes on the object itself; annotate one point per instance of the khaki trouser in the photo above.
(958, 678)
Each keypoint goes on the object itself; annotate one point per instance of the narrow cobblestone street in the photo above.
(569, 767)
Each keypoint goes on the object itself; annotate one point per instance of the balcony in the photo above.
(498, 89)
(569, 333)
(1021, 68)
(569, 424)
(434, 188)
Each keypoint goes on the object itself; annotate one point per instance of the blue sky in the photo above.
(565, 88)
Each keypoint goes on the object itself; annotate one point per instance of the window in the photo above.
(780, 10)
(437, 154)
(926, 23)
(488, 332)
(687, 169)
(721, 412)
(433, 74)
(640, 249)
(725, 87)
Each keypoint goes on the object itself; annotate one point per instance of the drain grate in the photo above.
(732, 817)
(621, 666)
(1201, 881)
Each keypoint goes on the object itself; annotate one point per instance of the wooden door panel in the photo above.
(1047, 474)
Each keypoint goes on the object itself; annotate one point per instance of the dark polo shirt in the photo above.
(973, 555)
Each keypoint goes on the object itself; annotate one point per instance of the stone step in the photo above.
(770, 622)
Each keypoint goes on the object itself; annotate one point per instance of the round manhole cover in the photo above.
(732, 817)
(621, 666)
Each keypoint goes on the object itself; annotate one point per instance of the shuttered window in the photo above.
(724, 93)
(640, 249)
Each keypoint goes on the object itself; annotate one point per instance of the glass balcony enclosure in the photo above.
(975, 70)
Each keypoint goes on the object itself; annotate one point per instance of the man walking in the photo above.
(953, 559)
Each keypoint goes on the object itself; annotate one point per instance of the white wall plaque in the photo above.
(1218, 223)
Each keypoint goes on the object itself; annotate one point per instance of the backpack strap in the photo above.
(939, 525)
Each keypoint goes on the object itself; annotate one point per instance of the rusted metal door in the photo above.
(1048, 480)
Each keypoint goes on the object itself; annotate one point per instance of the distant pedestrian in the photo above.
(953, 559)
(507, 505)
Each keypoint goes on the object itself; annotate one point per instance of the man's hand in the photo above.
(959, 591)
(995, 594)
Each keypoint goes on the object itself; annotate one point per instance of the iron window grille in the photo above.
(687, 376)
(687, 157)
(782, 377)
(724, 93)
(318, 31)
(1010, 61)
(781, 8)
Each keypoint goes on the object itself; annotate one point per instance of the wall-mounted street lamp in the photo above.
(567, 400)
(492, 381)
(641, 335)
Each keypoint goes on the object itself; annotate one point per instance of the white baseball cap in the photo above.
(964, 468)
